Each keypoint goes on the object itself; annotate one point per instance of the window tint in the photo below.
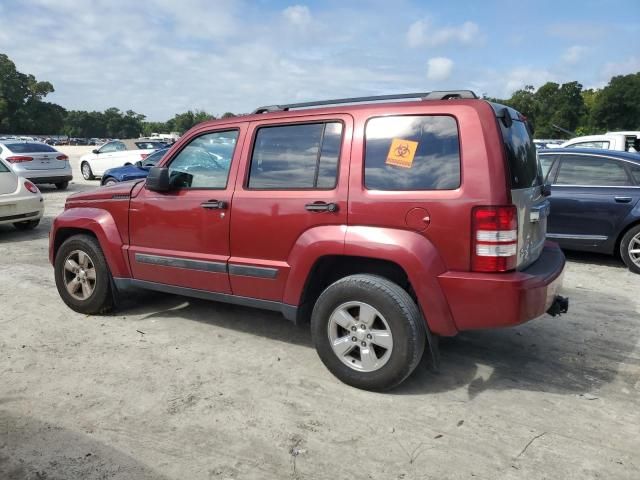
(30, 148)
(583, 170)
(412, 153)
(204, 162)
(296, 156)
(521, 155)
(635, 173)
(546, 161)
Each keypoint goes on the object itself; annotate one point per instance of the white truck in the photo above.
(112, 154)
(621, 141)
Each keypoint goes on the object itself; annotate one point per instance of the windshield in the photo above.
(154, 158)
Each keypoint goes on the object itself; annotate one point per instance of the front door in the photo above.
(181, 237)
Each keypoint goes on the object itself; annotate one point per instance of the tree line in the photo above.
(555, 110)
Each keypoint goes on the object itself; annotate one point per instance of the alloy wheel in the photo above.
(79, 275)
(360, 336)
(634, 249)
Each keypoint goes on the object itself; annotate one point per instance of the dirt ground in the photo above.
(169, 387)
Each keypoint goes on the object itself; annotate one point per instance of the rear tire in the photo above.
(28, 225)
(630, 249)
(385, 322)
(87, 174)
(71, 268)
(62, 185)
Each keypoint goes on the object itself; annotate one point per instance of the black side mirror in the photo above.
(158, 179)
(138, 163)
(95, 150)
(546, 190)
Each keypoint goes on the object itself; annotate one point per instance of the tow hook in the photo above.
(559, 306)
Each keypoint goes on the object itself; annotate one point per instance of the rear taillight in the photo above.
(495, 239)
(19, 159)
(31, 187)
(62, 157)
(144, 155)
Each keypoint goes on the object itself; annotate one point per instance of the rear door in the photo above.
(591, 196)
(293, 178)
(526, 187)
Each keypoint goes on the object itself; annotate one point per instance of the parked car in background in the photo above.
(609, 141)
(132, 172)
(38, 162)
(595, 201)
(110, 155)
(384, 224)
(21, 202)
(150, 144)
(542, 143)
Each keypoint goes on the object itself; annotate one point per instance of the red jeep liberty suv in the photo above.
(388, 221)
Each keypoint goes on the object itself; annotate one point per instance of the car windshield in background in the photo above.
(154, 158)
(30, 148)
(150, 145)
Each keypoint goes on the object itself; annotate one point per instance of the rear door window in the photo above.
(412, 152)
(303, 156)
(591, 171)
(521, 155)
(546, 162)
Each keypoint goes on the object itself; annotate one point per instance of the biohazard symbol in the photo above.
(401, 153)
(402, 150)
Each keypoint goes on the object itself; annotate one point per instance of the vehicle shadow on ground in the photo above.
(563, 355)
(30, 448)
(589, 258)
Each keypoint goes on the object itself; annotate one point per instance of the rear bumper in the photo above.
(491, 300)
(49, 178)
(23, 208)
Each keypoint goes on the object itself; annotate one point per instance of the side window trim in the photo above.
(324, 121)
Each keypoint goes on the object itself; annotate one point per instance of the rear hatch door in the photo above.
(525, 178)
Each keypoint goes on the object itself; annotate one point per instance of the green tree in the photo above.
(617, 106)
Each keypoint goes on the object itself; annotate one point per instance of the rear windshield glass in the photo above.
(29, 147)
(521, 155)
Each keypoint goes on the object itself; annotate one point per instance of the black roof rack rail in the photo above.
(436, 95)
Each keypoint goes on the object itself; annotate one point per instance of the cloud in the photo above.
(574, 54)
(630, 65)
(422, 33)
(439, 68)
(298, 15)
(578, 31)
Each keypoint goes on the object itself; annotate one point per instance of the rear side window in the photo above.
(595, 171)
(30, 148)
(546, 162)
(296, 156)
(412, 153)
(521, 155)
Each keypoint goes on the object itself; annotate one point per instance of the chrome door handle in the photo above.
(321, 207)
(214, 204)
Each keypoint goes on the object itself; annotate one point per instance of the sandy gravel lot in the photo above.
(169, 387)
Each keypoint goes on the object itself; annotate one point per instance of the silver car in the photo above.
(20, 200)
(38, 162)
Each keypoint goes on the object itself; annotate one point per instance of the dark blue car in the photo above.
(594, 201)
(132, 171)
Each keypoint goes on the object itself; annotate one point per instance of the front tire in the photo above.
(87, 174)
(109, 181)
(630, 249)
(368, 332)
(28, 225)
(82, 275)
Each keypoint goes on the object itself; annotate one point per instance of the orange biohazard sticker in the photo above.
(401, 153)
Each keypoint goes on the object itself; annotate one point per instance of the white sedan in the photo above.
(20, 200)
(110, 155)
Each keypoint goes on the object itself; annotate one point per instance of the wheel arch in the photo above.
(623, 232)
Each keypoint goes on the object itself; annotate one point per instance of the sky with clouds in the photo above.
(160, 57)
